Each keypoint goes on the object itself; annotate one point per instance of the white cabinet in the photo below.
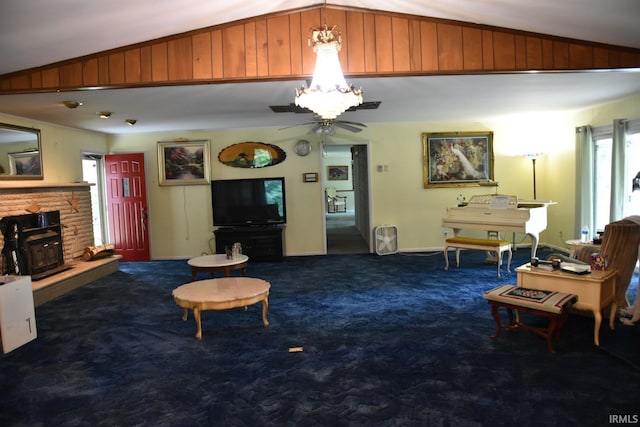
(17, 314)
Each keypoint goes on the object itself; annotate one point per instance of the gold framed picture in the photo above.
(183, 163)
(457, 159)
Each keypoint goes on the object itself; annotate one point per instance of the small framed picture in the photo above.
(337, 173)
(183, 163)
(310, 177)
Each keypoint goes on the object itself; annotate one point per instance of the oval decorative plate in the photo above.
(251, 155)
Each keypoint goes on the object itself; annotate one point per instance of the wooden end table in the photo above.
(221, 294)
(595, 291)
(218, 263)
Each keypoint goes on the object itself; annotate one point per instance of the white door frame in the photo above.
(323, 168)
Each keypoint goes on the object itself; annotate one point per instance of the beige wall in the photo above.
(627, 108)
(398, 195)
(180, 216)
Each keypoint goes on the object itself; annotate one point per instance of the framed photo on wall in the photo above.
(337, 173)
(25, 163)
(310, 177)
(183, 163)
(457, 159)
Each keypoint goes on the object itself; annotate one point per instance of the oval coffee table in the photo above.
(218, 263)
(221, 294)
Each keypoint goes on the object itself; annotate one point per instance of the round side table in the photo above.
(218, 263)
(574, 245)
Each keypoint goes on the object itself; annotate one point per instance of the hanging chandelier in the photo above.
(328, 95)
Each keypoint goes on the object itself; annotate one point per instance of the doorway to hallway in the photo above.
(347, 174)
(342, 235)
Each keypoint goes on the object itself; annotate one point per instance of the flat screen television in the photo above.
(248, 202)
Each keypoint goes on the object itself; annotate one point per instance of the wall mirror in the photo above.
(20, 153)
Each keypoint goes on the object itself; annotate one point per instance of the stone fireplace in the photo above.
(68, 219)
(73, 203)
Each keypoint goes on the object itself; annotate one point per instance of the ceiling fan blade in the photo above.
(351, 123)
(295, 126)
(346, 126)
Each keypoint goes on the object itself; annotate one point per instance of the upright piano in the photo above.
(500, 213)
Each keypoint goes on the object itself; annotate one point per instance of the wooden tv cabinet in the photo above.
(258, 243)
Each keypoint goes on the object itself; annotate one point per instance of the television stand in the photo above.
(258, 243)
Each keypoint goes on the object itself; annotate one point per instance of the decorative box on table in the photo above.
(599, 262)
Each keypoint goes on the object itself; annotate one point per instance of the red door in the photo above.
(127, 205)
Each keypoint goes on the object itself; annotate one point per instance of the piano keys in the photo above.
(500, 213)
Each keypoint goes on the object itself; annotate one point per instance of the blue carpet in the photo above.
(388, 341)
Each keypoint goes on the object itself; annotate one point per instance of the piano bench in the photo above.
(487, 245)
(550, 304)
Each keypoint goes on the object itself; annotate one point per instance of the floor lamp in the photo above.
(533, 157)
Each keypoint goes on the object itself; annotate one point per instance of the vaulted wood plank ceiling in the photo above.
(377, 45)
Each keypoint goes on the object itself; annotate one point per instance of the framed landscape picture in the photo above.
(457, 159)
(25, 163)
(183, 163)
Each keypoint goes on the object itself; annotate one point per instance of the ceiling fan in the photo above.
(328, 127)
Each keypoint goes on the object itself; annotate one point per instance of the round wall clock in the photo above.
(303, 147)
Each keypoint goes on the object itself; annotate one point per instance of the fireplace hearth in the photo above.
(32, 245)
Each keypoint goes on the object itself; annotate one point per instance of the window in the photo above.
(92, 165)
(602, 139)
(602, 184)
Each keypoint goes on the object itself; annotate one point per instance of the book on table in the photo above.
(576, 268)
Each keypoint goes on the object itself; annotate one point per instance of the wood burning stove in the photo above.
(32, 245)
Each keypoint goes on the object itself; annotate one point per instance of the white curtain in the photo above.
(633, 128)
(618, 169)
(584, 179)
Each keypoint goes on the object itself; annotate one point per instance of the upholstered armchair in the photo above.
(621, 243)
